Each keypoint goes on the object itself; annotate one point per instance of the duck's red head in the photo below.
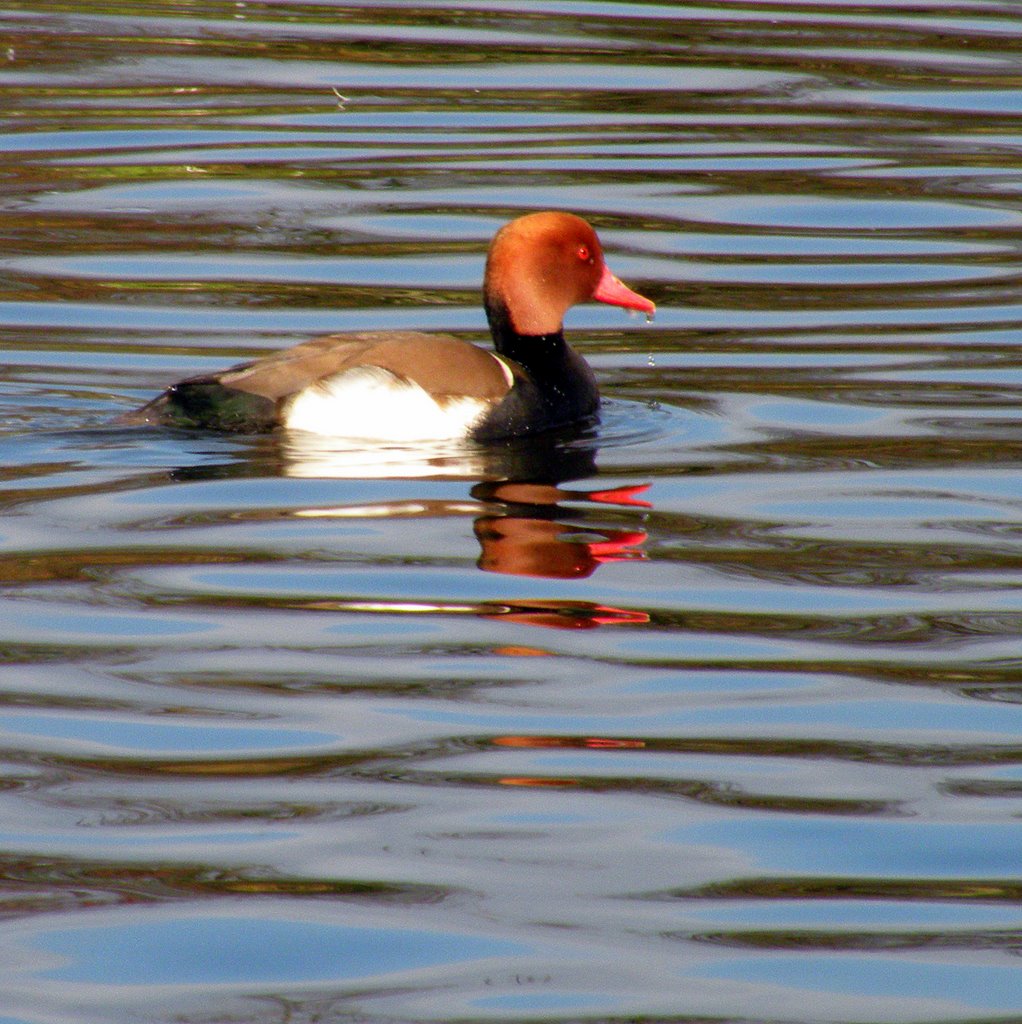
(541, 265)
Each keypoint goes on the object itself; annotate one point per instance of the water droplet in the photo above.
(649, 317)
(650, 361)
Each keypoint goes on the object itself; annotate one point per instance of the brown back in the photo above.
(441, 364)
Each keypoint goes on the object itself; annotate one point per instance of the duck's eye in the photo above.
(583, 253)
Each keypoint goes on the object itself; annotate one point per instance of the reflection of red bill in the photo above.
(622, 496)
(590, 742)
(607, 616)
(620, 548)
(566, 614)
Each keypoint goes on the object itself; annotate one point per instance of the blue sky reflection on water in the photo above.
(968, 988)
(211, 950)
(898, 847)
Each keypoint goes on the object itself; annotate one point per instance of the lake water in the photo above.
(712, 713)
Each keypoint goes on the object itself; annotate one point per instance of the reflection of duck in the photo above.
(539, 547)
(546, 458)
(522, 530)
(531, 537)
(520, 522)
(407, 386)
(527, 521)
(521, 527)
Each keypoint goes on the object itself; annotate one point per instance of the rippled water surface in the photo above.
(711, 713)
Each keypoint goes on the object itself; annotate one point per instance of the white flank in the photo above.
(370, 403)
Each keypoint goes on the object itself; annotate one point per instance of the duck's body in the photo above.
(407, 386)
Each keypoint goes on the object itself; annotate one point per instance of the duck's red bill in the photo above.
(615, 292)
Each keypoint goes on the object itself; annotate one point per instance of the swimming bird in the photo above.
(405, 386)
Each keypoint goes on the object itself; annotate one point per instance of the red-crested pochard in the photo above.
(408, 386)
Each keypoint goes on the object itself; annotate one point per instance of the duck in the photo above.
(408, 386)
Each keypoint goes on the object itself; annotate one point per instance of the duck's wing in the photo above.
(249, 397)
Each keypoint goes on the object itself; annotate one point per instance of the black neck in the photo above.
(526, 349)
(557, 388)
